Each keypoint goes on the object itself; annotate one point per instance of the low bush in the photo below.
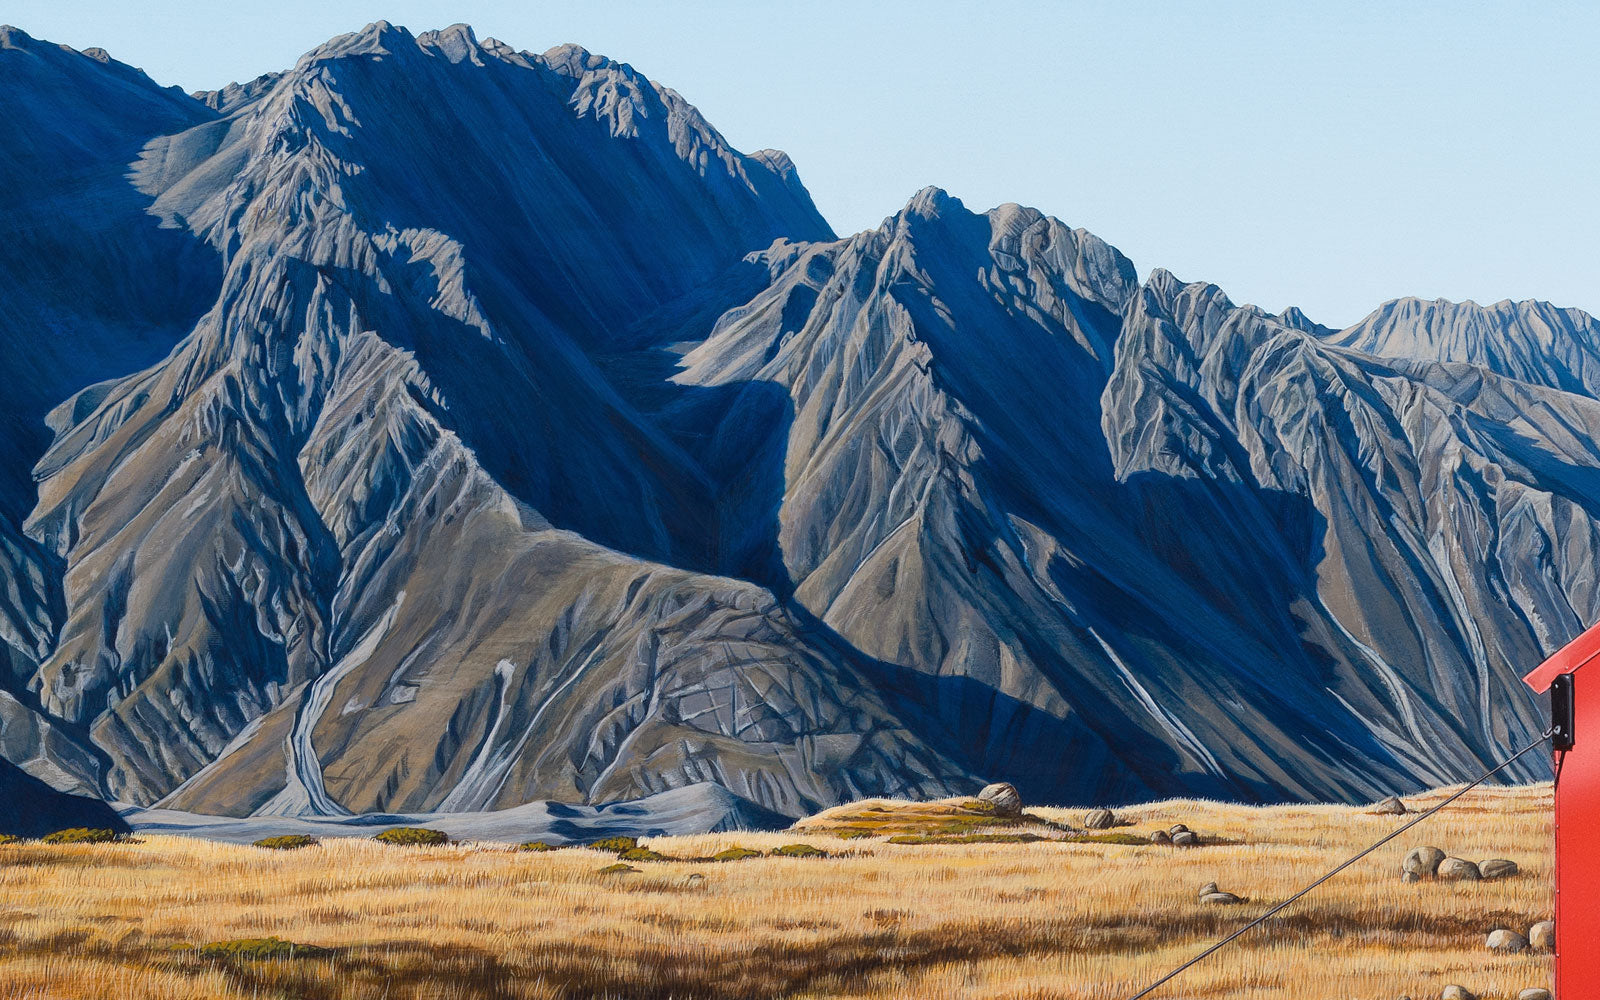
(643, 854)
(966, 838)
(735, 854)
(82, 835)
(1128, 839)
(616, 845)
(259, 949)
(799, 851)
(617, 869)
(10, 838)
(287, 842)
(413, 836)
(537, 845)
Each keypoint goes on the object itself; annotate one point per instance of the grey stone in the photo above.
(1185, 839)
(1209, 887)
(1220, 898)
(1424, 861)
(1161, 837)
(1497, 868)
(1506, 940)
(1391, 806)
(1457, 993)
(1542, 935)
(1099, 819)
(1003, 796)
(1410, 877)
(1534, 993)
(1459, 870)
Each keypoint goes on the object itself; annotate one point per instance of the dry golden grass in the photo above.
(875, 920)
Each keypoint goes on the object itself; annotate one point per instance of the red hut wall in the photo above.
(1578, 850)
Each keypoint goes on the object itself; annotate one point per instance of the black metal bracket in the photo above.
(1563, 713)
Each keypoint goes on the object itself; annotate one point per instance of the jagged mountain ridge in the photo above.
(512, 458)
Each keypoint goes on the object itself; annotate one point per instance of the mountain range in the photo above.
(435, 427)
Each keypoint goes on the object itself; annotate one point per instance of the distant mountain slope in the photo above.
(435, 427)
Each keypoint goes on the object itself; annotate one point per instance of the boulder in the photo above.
(1459, 870)
(1457, 993)
(1206, 889)
(1003, 796)
(1410, 877)
(1391, 806)
(1424, 861)
(1177, 828)
(1161, 837)
(1534, 993)
(1497, 868)
(1220, 898)
(1542, 935)
(1504, 940)
(1185, 839)
(1099, 819)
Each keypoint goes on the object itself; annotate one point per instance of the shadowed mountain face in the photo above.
(435, 427)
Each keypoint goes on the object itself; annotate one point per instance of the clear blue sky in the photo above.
(1329, 156)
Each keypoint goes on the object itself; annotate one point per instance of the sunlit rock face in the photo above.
(434, 426)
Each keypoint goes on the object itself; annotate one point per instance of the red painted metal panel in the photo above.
(1578, 852)
(1577, 653)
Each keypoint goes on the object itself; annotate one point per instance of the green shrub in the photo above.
(10, 838)
(81, 835)
(643, 854)
(856, 835)
(413, 836)
(616, 845)
(537, 845)
(735, 854)
(617, 869)
(1128, 839)
(799, 851)
(287, 842)
(966, 838)
(259, 949)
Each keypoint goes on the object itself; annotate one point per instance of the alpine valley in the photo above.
(435, 427)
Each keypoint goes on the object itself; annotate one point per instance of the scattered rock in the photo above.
(1221, 898)
(1161, 837)
(1497, 868)
(1410, 877)
(1099, 819)
(1209, 887)
(1459, 870)
(1542, 935)
(1535, 993)
(1391, 806)
(1185, 839)
(1457, 993)
(1003, 796)
(1177, 829)
(1424, 861)
(1504, 940)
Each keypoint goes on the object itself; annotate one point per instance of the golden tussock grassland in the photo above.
(1019, 921)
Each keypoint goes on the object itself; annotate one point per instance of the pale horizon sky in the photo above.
(1330, 156)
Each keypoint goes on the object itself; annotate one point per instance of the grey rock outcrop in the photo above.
(1391, 806)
